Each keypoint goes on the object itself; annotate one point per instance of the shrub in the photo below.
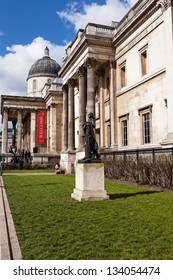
(144, 170)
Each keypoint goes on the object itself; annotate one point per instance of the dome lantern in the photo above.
(46, 52)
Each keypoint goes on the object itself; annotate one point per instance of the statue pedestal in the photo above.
(89, 184)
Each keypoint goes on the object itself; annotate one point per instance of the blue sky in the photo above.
(28, 26)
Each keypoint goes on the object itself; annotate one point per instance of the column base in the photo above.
(67, 161)
(114, 147)
(89, 184)
(168, 141)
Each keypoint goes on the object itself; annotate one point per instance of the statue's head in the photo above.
(90, 115)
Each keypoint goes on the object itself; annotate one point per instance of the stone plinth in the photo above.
(89, 184)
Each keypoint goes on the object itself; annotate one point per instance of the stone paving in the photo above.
(9, 245)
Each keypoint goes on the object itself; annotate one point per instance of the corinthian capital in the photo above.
(91, 62)
(100, 72)
(65, 88)
(112, 63)
(5, 108)
(82, 71)
(71, 82)
(164, 4)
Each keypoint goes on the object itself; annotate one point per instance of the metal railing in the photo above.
(137, 152)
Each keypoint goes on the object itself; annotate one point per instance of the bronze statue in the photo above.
(91, 145)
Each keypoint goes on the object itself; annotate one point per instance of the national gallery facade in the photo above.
(121, 73)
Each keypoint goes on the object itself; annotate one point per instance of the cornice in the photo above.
(126, 28)
(86, 41)
(99, 41)
(20, 98)
(136, 17)
(76, 53)
(144, 32)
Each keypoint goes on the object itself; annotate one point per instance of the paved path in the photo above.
(9, 245)
(28, 174)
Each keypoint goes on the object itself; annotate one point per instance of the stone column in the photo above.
(33, 129)
(82, 104)
(5, 131)
(112, 104)
(101, 74)
(53, 134)
(48, 129)
(167, 10)
(91, 64)
(71, 127)
(19, 130)
(14, 133)
(65, 118)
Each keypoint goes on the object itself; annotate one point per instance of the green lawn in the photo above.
(135, 223)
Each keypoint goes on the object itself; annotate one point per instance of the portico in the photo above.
(21, 112)
(90, 82)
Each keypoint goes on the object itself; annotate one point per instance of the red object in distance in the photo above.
(40, 136)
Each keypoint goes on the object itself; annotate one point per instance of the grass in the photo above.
(135, 223)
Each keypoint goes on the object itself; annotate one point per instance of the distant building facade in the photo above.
(37, 118)
(10, 139)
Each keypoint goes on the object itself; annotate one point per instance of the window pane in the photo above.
(123, 76)
(144, 63)
(147, 138)
(34, 85)
(124, 133)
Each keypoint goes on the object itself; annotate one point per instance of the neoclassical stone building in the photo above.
(123, 74)
(36, 118)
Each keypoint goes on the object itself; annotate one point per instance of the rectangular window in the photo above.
(124, 129)
(146, 124)
(124, 133)
(144, 60)
(144, 63)
(146, 128)
(123, 75)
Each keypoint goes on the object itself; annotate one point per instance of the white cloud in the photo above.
(79, 16)
(14, 66)
(132, 2)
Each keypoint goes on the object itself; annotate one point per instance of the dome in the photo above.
(44, 66)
